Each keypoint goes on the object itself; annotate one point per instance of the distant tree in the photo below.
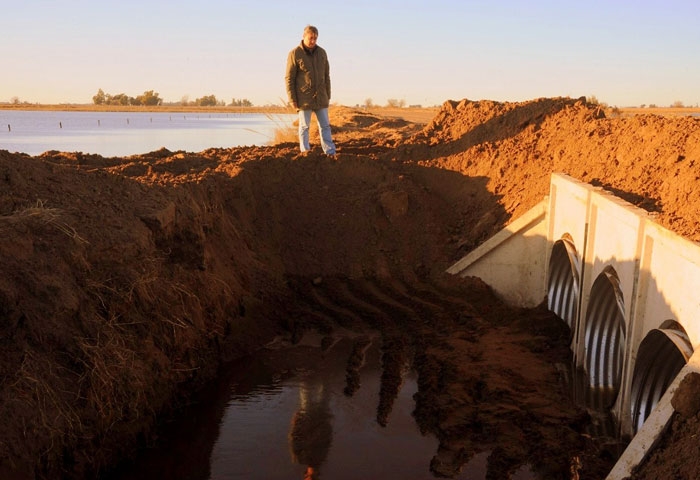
(593, 100)
(118, 99)
(394, 103)
(206, 101)
(14, 100)
(677, 104)
(243, 102)
(99, 98)
(368, 103)
(149, 98)
(652, 105)
(185, 100)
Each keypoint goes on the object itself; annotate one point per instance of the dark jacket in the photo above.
(308, 78)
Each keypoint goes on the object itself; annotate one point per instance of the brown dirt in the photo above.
(127, 281)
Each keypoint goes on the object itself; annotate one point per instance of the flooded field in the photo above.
(129, 133)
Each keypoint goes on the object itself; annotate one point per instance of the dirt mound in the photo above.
(649, 160)
(470, 122)
(128, 280)
(345, 118)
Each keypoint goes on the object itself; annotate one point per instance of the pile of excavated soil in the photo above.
(128, 281)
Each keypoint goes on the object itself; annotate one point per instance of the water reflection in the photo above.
(325, 433)
(283, 414)
(311, 432)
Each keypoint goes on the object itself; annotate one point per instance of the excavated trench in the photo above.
(362, 252)
(465, 417)
(148, 275)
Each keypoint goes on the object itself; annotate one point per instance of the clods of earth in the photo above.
(127, 282)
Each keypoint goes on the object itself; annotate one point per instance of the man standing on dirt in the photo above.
(309, 88)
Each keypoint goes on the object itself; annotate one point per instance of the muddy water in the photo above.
(283, 414)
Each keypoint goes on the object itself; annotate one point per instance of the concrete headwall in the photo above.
(512, 262)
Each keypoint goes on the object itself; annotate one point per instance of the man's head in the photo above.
(310, 36)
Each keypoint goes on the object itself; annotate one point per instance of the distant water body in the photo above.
(116, 134)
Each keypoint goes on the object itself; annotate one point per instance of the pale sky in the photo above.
(623, 52)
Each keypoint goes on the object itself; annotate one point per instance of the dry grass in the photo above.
(285, 134)
(663, 111)
(421, 115)
(285, 129)
(411, 114)
(37, 386)
(48, 216)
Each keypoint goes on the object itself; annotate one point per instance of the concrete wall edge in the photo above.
(536, 214)
(654, 427)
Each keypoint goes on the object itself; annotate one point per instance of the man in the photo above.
(309, 88)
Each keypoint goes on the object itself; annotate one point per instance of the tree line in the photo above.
(151, 98)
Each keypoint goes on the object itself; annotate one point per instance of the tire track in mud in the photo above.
(379, 306)
(465, 346)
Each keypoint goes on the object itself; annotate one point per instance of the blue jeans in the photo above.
(324, 127)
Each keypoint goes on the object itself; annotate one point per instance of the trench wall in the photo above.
(625, 285)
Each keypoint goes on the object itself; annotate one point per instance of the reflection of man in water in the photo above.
(311, 432)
